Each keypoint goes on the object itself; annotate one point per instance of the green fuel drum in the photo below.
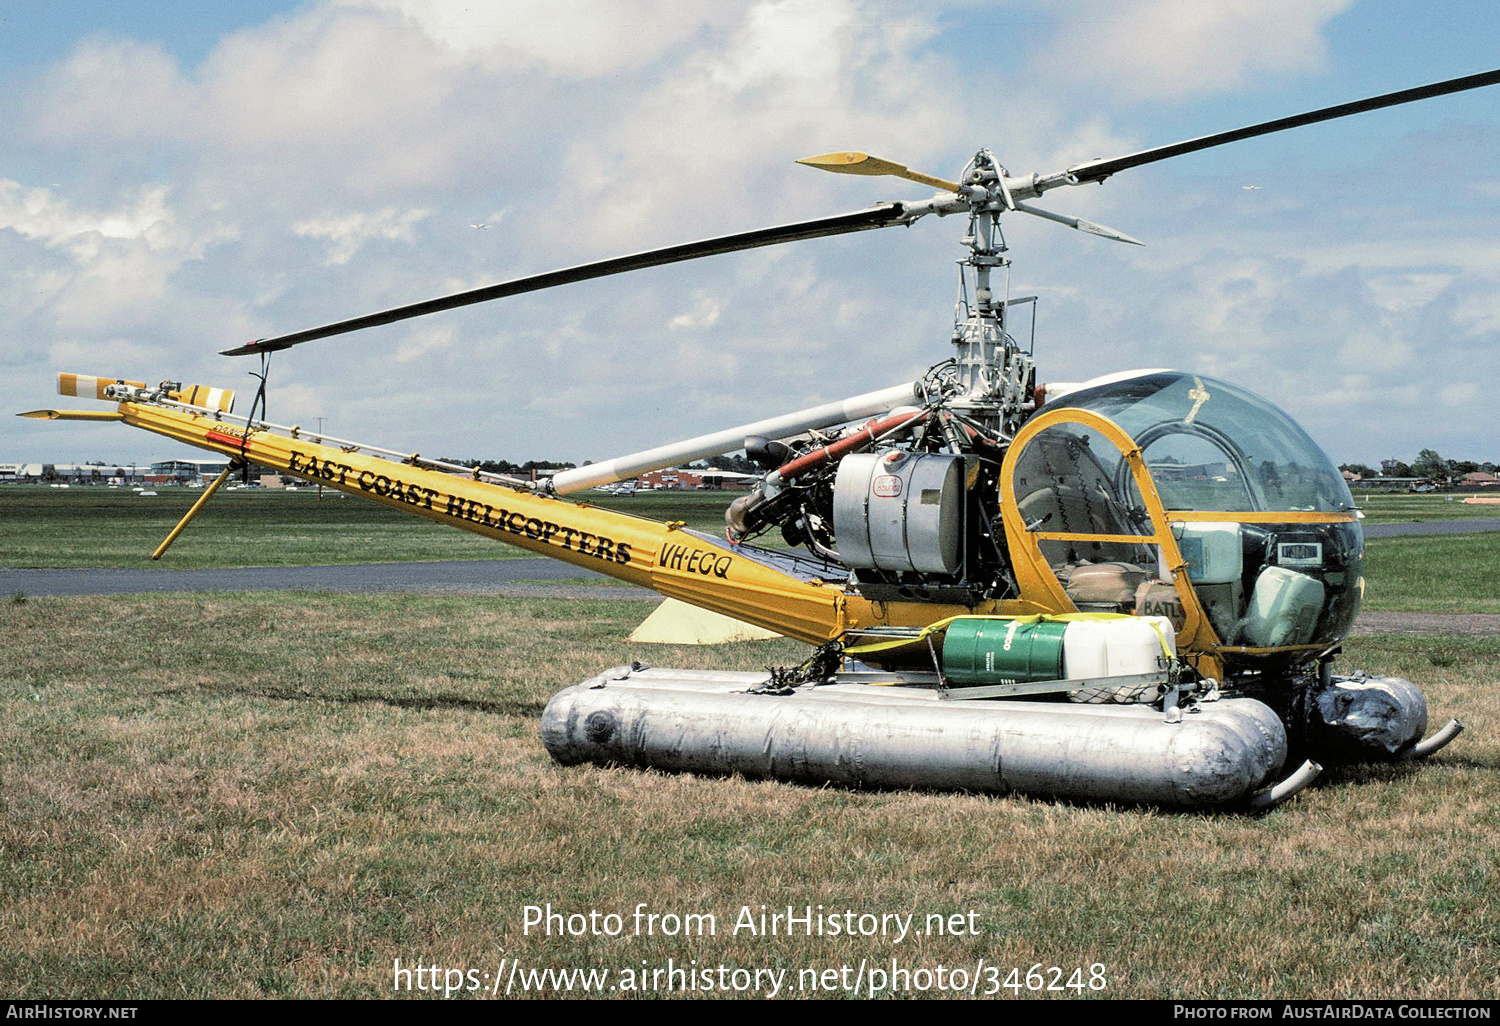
(984, 651)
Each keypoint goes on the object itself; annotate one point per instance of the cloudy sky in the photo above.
(183, 176)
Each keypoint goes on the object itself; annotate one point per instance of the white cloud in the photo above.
(41, 214)
(112, 89)
(704, 314)
(346, 233)
(1405, 291)
(1479, 312)
(1152, 49)
(786, 41)
(573, 38)
(423, 341)
(794, 77)
(118, 279)
(357, 98)
(324, 77)
(1458, 393)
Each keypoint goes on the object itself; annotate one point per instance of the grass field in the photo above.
(279, 795)
(1450, 573)
(104, 527)
(1408, 509)
(270, 795)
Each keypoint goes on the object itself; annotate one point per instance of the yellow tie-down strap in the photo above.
(942, 625)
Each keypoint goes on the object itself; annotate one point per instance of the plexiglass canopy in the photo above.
(1212, 446)
(1263, 520)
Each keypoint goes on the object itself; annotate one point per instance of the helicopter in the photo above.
(1128, 588)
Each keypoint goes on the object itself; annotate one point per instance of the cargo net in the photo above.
(1105, 693)
(1120, 694)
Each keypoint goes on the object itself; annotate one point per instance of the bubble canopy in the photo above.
(1264, 523)
(1213, 446)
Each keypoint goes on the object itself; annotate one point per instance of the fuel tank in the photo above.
(862, 735)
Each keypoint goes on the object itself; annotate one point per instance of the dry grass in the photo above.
(271, 795)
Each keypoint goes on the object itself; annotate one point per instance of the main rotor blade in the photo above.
(1098, 170)
(881, 215)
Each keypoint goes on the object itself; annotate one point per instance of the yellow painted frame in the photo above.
(1033, 573)
(1197, 640)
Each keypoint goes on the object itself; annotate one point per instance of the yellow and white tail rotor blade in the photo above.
(88, 386)
(221, 399)
(855, 163)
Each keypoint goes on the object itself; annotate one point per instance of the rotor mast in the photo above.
(993, 373)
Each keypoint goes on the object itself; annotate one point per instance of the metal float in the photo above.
(868, 735)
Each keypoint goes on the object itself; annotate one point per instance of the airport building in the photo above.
(167, 472)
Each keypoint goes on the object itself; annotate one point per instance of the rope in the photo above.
(815, 669)
(260, 401)
(941, 625)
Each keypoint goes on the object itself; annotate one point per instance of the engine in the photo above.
(909, 504)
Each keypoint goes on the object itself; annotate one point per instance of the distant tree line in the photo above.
(1428, 464)
(507, 467)
(734, 461)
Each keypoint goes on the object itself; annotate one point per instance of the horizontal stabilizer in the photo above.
(72, 414)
